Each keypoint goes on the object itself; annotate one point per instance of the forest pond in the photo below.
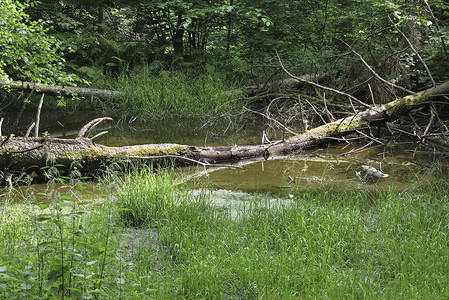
(338, 167)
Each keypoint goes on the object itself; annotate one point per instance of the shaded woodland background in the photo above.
(196, 58)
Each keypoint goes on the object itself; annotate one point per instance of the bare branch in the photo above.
(84, 132)
(271, 119)
(38, 116)
(379, 77)
(320, 86)
(29, 129)
(414, 51)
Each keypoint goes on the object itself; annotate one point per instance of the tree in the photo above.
(27, 52)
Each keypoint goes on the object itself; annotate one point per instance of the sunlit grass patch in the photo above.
(311, 245)
(320, 245)
(157, 94)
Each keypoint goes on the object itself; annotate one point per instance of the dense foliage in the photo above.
(27, 51)
(404, 41)
(110, 35)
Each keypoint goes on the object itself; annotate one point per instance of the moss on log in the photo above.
(18, 153)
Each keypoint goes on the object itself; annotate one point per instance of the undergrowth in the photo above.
(315, 245)
(158, 93)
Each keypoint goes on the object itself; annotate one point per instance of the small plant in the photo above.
(68, 254)
(147, 199)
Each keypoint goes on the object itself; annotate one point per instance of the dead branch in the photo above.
(27, 134)
(38, 116)
(56, 90)
(414, 50)
(320, 86)
(380, 77)
(85, 131)
(271, 119)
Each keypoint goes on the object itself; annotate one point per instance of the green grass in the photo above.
(149, 92)
(320, 245)
(158, 93)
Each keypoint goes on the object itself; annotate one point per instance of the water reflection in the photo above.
(334, 168)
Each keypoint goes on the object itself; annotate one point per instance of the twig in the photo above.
(379, 77)
(414, 51)
(271, 119)
(444, 128)
(185, 158)
(372, 94)
(328, 113)
(432, 117)
(98, 135)
(63, 128)
(38, 116)
(352, 105)
(84, 132)
(22, 109)
(313, 107)
(304, 121)
(1, 123)
(26, 150)
(265, 139)
(320, 86)
(29, 129)
(356, 150)
(6, 140)
(370, 137)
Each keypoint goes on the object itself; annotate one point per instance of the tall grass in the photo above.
(316, 245)
(146, 197)
(158, 93)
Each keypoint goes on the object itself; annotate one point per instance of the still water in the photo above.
(337, 167)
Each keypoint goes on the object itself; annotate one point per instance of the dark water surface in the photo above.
(337, 167)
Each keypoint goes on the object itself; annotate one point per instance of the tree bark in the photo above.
(57, 90)
(31, 154)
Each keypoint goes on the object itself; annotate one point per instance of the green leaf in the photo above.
(43, 217)
(128, 235)
(120, 280)
(25, 286)
(52, 277)
(43, 244)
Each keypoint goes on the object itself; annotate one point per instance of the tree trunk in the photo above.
(70, 91)
(58, 90)
(31, 154)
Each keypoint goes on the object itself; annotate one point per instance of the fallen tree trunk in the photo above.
(69, 91)
(31, 154)
(279, 85)
(57, 90)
